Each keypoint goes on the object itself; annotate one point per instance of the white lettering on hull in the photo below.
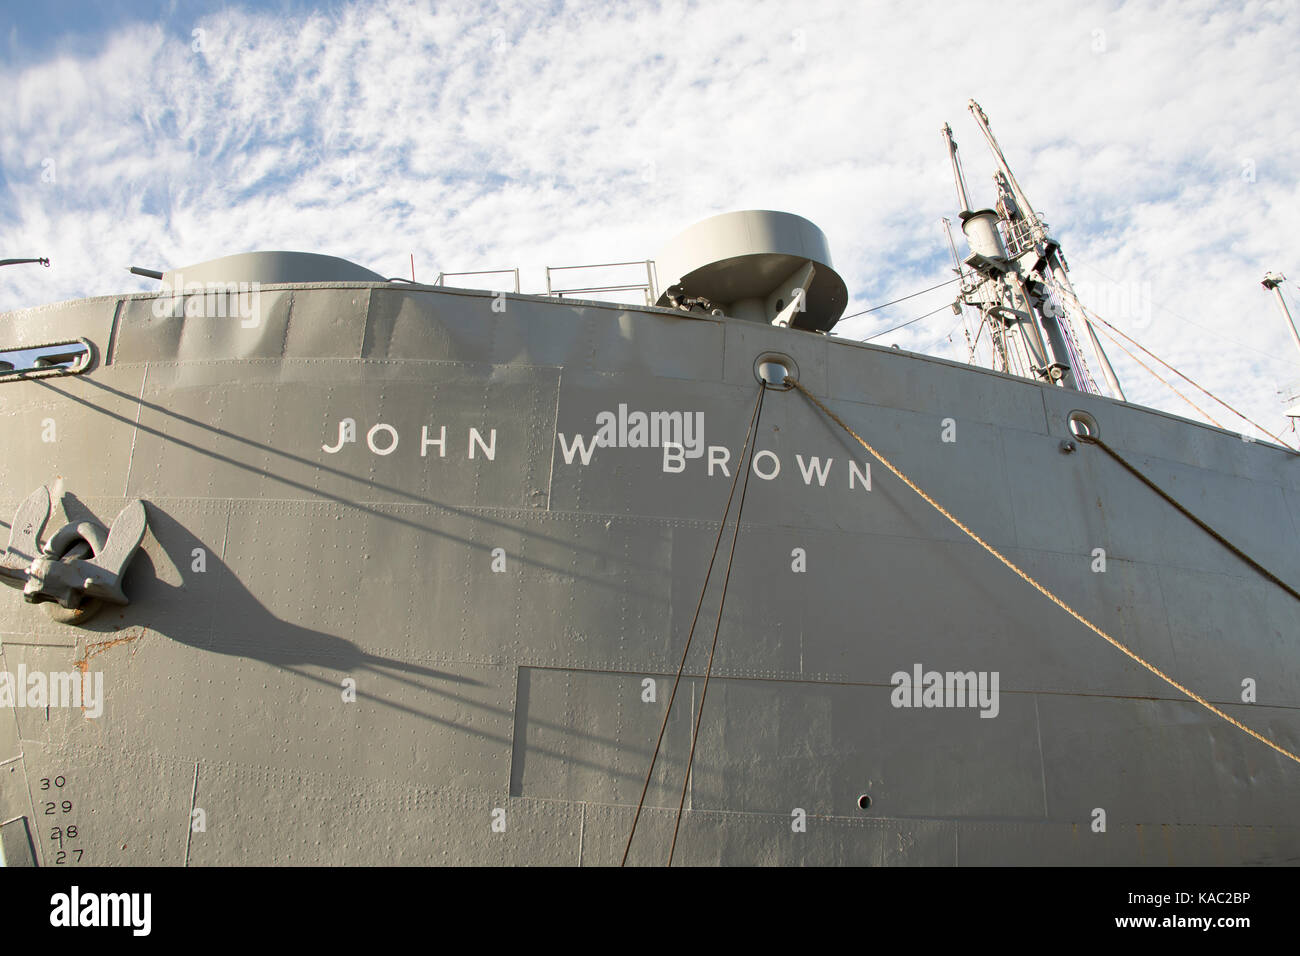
(382, 439)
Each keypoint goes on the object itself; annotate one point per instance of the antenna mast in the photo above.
(956, 168)
(1273, 282)
(1034, 272)
(959, 306)
(993, 284)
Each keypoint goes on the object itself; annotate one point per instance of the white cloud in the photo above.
(526, 136)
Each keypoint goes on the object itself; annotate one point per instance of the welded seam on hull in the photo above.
(135, 431)
(793, 678)
(288, 321)
(31, 801)
(975, 823)
(221, 578)
(1047, 416)
(110, 349)
(21, 759)
(1042, 768)
(189, 824)
(1164, 609)
(582, 828)
(515, 704)
(555, 430)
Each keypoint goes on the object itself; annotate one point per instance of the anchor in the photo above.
(80, 566)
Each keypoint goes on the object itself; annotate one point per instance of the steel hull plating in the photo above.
(501, 607)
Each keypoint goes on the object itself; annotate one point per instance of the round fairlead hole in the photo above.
(774, 374)
(864, 802)
(1083, 426)
(775, 369)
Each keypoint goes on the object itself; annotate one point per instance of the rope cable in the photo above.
(1197, 521)
(1043, 590)
(722, 600)
(1242, 345)
(883, 305)
(1185, 378)
(1156, 375)
(906, 324)
(753, 420)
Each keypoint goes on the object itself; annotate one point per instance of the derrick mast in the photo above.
(1017, 278)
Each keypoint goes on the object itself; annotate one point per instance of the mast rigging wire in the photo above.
(877, 308)
(1139, 345)
(906, 324)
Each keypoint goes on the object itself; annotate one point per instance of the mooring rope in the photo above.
(722, 600)
(1093, 439)
(1043, 590)
(750, 433)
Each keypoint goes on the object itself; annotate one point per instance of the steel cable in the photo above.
(722, 600)
(751, 432)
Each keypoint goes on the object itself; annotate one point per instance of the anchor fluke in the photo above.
(79, 565)
(24, 537)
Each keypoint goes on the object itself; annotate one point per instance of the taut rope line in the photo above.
(1040, 588)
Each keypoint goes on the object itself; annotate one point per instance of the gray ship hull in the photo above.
(510, 618)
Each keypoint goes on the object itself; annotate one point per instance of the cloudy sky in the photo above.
(1160, 140)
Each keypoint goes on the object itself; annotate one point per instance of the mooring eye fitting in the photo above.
(1083, 426)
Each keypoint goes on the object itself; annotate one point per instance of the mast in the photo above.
(957, 176)
(1273, 282)
(1057, 267)
(960, 306)
(994, 282)
(1031, 235)
(1026, 210)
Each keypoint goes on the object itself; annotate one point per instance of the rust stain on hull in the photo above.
(94, 650)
